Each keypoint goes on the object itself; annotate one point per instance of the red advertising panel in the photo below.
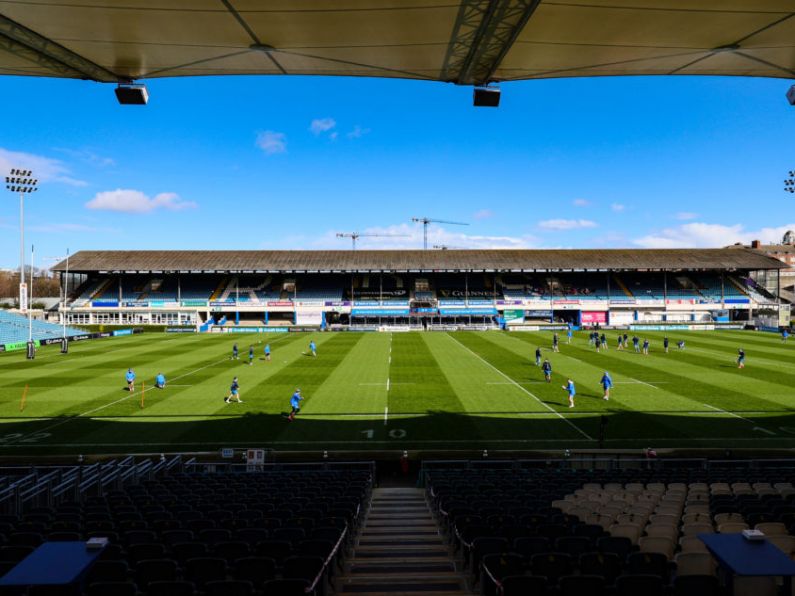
(592, 317)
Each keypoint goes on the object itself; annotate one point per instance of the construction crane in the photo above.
(426, 220)
(354, 236)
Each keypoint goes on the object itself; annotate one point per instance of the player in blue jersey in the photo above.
(645, 347)
(569, 333)
(636, 343)
(250, 355)
(130, 377)
(235, 355)
(295, 404)
(569, 388)
(620, 342)
(267, 352)
(784, 335)
(665, 343)
(597, 342)
(603, 339)
(680, 344)
(547, 368)
(313, 347)
(607, 383)
(160, 381)
(740, 358)
(234, 392)
(538, 356)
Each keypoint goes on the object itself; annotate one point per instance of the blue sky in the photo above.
(284, 163)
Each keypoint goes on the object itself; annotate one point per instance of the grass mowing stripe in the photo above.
(510, 378)
(695, 388)
(636, 410)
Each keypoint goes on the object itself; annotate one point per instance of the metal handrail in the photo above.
(311, 588)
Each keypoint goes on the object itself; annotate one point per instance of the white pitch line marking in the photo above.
(387, 383)
(386, 415)
(535, 397)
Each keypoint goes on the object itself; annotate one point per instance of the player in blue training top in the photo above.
(636, 343)
(569, 388)
(603, 337)
(645, 347)
(235, 355)
(250, 355)
(569, 333)
(784, 335)
(160, 381)
(547, 368)
(130, 376)
(538, 356)
(267, 352)
(313, 347)
(606, 383)
(295, 404)
(680, 344)
(234, 392)
(740, 358)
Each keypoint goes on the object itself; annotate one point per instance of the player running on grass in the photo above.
(267, 352)
(569, 388)
(160, 381)
(538, 356)
(547, 368)
(606, 382)
(130, 377)
(235, 355)
(740, 358)
(250, 355)
(234, 392)
(295, 404)
(313, 347)
(784, 335)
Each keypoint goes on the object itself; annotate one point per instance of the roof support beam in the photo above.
(22, 41)
(484, 33)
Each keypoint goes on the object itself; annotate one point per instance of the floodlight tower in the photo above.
(426, 220)
(354, 236)
(789, 183)
(22, 182)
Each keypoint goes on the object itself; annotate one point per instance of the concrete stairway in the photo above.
(400, 551)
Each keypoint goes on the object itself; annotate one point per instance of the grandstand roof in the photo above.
(289, 261)
(461, 41)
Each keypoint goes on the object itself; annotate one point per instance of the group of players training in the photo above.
(599, 341)
(234, 388)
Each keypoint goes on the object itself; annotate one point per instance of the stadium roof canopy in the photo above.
(461, 41)
(346, 261)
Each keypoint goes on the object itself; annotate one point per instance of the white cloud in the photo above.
(88, 156)
(321, 125)
(483, 214)
(580, 202)
(357, 132)
(272, 142)
(617, 207)
(704, 235)
(45, 169)
(134, 201)
(686, 215)
(333, 136)
(408, 236)
(566, 224)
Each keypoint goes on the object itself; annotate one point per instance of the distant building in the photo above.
(784, 252)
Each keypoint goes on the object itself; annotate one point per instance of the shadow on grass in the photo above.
(428, 431)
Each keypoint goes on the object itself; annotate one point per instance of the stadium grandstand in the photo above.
(418, 463)
(257, 290)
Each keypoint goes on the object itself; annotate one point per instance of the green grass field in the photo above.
(431, 391)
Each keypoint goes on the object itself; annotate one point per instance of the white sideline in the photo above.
(513, 382)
